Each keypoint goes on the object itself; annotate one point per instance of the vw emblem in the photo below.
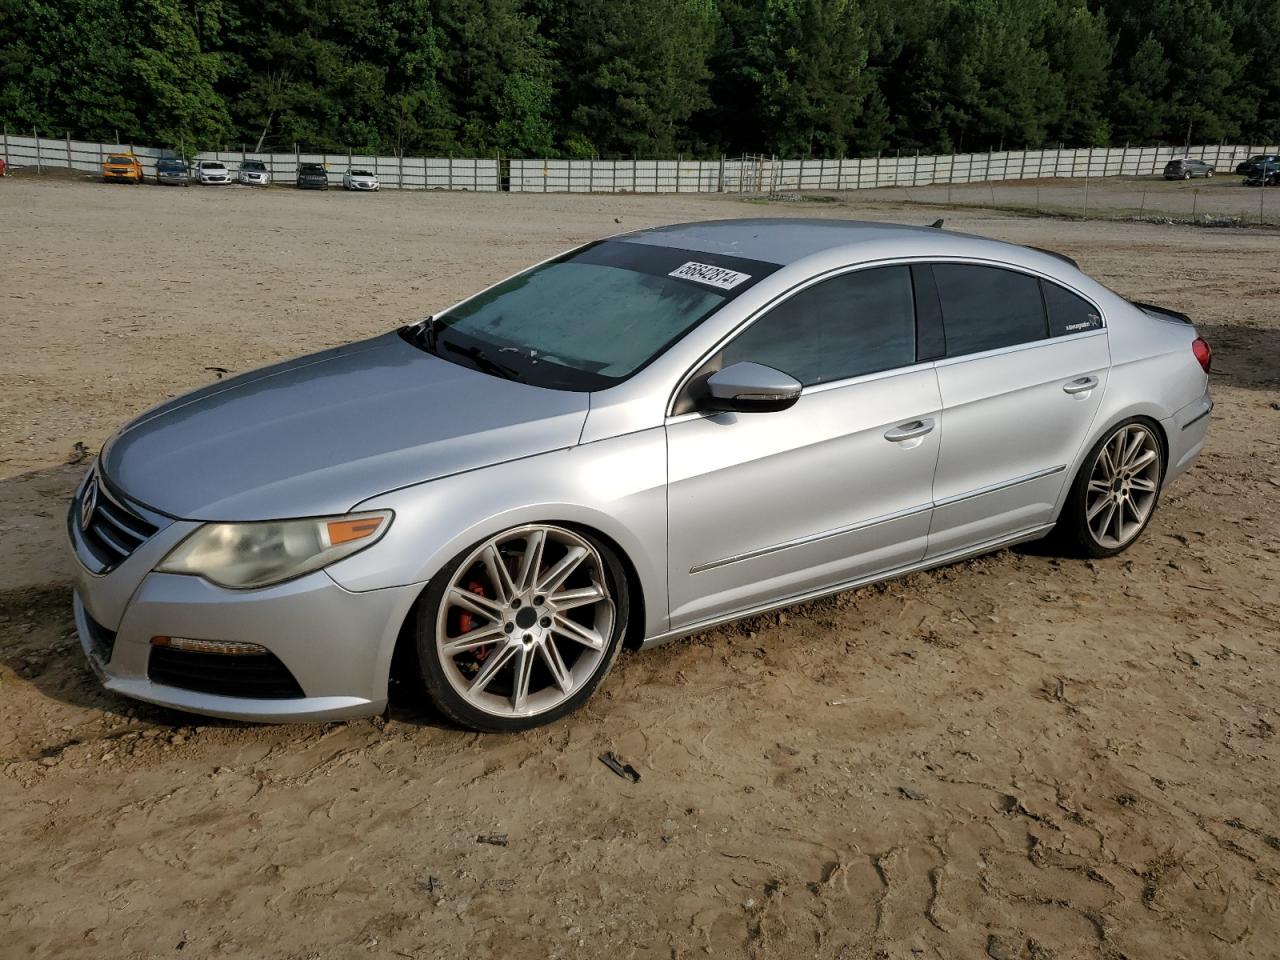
(88, 502)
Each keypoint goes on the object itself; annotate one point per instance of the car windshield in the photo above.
(170, 165)
(119, 159)
(253, 165)
(312, 168)
(594, 317)
(211, 165)
(361, 173)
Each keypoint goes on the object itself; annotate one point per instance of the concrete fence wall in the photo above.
(406, 173)
(764, 175)
(738, 175)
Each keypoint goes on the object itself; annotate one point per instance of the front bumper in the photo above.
(313, 184)
(251, 180)
(337, 644)
(357, 185)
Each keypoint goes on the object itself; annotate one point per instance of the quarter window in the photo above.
(985, 308)
(1068, 313)
(854, 324)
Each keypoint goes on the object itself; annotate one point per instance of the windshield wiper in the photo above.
(423, 334)
(485, 362)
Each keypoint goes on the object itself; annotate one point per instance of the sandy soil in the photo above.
(1014, 757)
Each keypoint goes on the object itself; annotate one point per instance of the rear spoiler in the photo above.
(1162, 313)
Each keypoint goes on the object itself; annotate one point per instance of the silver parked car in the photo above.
(360, 180)
(253, 173)
(636, 440)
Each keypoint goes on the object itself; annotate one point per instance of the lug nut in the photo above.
(539, 601)
(545, 621)
(515, 604)
(508, 627)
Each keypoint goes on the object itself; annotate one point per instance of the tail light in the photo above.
(1204, 353)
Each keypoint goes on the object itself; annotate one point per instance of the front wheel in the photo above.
(519, 630)
(1208, 174)
(1116, 491)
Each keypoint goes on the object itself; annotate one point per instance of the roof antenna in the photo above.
(937, 224)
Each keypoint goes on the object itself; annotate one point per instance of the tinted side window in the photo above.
(984, 308)
(1068, 313)
(858, 323)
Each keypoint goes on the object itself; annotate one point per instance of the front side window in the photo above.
(985, 308)
(593, 317)
(848, 326)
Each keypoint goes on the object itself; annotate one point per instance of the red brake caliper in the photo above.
(466, 621)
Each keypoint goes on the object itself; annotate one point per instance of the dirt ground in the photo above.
(1014, 757)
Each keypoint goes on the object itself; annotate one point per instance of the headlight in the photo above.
(242, 555)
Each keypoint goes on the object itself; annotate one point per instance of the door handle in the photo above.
(909, 431)
(1080, 385)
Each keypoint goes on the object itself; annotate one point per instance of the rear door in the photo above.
(767, 506)
(1025, 369)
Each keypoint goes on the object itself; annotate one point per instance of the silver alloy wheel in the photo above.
(1122, 486)
(526, 621)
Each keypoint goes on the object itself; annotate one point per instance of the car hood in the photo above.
(321, 433)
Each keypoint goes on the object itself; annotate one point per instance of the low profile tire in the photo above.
(1208, 175)
(1187, 175)
(1116, 492)
(519, 630)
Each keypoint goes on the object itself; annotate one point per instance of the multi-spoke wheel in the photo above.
(1116, 491)
(519, 630)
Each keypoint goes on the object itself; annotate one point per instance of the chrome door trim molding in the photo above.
(1003, 485)
(894, 262)
(1019, 347)
(1030, 533)
(812, 538)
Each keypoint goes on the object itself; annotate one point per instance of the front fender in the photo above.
(616, 487)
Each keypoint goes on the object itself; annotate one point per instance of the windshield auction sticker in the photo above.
(711, 276)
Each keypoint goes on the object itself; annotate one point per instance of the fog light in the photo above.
(229, 648)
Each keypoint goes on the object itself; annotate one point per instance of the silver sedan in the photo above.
(636, 440)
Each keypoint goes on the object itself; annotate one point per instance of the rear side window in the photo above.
(1068, 313)
(985, 308)
(855, 324)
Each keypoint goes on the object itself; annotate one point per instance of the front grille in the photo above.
(113, 531)
(101, 639)
(259, 676)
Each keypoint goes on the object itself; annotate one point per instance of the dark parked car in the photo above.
(1254, 166)
(312, 176)
(172, 171)
(1184, 168)
(1268, 176)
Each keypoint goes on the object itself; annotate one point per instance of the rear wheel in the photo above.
(521, 629)
(1115, 494)
(1187, 175)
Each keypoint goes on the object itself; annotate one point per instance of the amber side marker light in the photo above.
(344, 531)
(229, 648)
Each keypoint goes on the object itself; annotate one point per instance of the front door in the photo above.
(763, 507)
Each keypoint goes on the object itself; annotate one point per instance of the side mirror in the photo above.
(750, 388)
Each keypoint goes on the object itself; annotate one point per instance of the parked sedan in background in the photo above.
(1184, 168)
(171, 171)
(360, 180)
(254, 173)
(1256, 166)
(312, 176)
(122, 168)
(212, 171)
(634, 441)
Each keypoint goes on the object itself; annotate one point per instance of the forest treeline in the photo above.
(646, 78)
